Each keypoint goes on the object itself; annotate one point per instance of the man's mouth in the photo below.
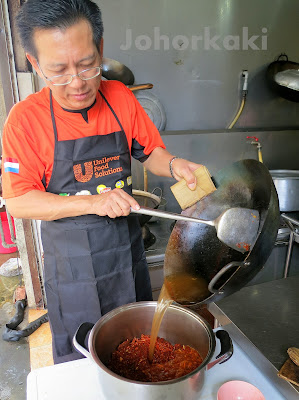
(79, 96)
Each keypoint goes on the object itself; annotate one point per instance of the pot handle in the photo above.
(159, 190)
(80, 336)
(223, 270)
(226, 351)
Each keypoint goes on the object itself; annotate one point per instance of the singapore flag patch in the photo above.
(11, 165)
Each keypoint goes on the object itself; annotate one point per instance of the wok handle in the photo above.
(282, 55)
(143, 86)
(169, 215)
(226, 351)
(222, 272)
(80, 336)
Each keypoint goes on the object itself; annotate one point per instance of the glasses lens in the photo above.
(66, 79)
(61, 79)
(90, 73)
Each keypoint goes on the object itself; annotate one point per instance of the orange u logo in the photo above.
(88, 172)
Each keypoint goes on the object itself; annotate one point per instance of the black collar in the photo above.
(83, 111)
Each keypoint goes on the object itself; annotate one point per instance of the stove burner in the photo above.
(148, 237)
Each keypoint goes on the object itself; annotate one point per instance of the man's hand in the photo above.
(116, 203)
(48, 206)
(183, 169)
(158, 164)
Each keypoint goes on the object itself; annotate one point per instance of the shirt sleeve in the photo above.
(22, 169)
(146, 136)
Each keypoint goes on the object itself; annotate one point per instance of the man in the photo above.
(67, 161)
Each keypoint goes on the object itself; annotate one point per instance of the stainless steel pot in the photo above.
(179, 325)
(287, 186)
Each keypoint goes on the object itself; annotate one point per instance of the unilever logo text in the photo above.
(206, 41)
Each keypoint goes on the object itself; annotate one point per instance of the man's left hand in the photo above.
(158, 164)
(183, 169)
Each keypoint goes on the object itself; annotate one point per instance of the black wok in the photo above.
(194, 250)
(282, 76)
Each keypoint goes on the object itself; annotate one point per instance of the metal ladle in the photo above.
(236, 227)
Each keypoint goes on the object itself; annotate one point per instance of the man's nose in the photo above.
(77, 82)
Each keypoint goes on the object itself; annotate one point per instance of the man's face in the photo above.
(68, 51)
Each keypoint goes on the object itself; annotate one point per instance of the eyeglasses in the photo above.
(85, 75)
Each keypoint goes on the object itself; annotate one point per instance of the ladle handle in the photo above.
(169, 215)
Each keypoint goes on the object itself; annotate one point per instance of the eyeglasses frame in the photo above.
(72, 76)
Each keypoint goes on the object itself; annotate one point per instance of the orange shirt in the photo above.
(28, 137)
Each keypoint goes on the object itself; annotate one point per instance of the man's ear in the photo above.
(101, 47)
(34, 64)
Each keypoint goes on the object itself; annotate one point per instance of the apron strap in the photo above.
(53, 117)
(119, 123)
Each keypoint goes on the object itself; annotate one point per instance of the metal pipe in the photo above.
(289, 219)
(290, 247)
(13, 74)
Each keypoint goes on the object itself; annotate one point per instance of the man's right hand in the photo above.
(48, 206)
(116, 203)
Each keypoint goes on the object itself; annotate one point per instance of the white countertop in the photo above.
(77, 380)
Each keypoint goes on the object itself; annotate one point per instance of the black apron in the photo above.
(92, 264)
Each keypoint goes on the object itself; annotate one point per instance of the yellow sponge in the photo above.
(204, 186)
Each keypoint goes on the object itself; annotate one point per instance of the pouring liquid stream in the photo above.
(164, 301)
(183, 288)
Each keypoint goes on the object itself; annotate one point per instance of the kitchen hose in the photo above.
(244, 92)
(238, 113)
(259, 153)
(11, 334)
(19, 315)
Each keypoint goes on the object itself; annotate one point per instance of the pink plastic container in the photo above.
(239, 390)
(6, 231)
